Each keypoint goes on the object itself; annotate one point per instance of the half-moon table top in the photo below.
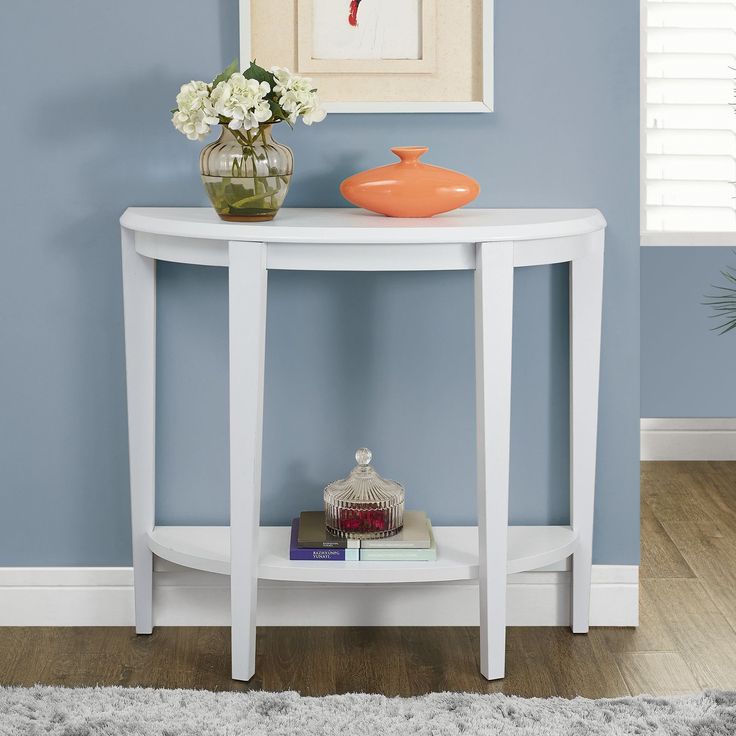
(350, 225)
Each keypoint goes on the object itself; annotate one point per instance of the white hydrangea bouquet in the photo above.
(246, 172)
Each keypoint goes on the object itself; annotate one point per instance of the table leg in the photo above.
(494, 291)
(247, 313)
(586, 292)
(139, 306)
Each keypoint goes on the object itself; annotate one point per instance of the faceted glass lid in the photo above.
(364, 484)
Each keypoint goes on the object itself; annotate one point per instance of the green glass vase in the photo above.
(246, 174)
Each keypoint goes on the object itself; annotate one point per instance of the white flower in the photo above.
(313, 114)
(195, 113)
(193, 96)
(297, 97)
(192, 124)
(243, 100)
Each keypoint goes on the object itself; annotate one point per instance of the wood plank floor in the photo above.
(686, 640)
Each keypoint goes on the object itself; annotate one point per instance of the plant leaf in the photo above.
(723, 303)
(259, 74)
(226, 73)
(277, 111)
(725, 327)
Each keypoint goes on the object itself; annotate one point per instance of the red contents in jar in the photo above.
(363, 520)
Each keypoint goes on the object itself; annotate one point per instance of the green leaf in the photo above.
(722, 303)
(725, 327)
(277, 111)
(225, 74)
(259, 74)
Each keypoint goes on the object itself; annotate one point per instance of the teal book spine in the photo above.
(398, 555)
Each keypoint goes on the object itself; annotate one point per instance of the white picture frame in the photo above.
(483, 104)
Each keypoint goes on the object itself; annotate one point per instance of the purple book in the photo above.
(322, 553)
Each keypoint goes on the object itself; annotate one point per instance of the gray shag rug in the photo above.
(142, 712)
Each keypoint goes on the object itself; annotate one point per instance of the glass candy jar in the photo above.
(364, 505)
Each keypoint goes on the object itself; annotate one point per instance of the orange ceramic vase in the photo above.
(409, 188)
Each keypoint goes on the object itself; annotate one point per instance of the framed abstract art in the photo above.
(379, 55)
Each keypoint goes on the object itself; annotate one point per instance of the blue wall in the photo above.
(687, 370)
(383, 360)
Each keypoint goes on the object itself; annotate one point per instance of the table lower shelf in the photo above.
(208, 548)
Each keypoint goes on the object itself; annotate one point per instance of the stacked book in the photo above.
(310, 540)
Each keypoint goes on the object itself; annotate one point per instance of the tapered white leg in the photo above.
(248, 278)
(494, 291)
(586, 294)
(139, 299)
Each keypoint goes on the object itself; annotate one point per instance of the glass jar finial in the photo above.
(363, 456)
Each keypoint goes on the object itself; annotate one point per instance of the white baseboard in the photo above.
(80, 596)
(688, 439)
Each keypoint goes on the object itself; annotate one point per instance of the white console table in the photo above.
(491, 242)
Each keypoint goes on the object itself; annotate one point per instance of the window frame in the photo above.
(662, 237)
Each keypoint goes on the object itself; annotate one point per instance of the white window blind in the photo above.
(690, 127)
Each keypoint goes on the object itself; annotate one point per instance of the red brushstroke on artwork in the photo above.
(353, 15)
